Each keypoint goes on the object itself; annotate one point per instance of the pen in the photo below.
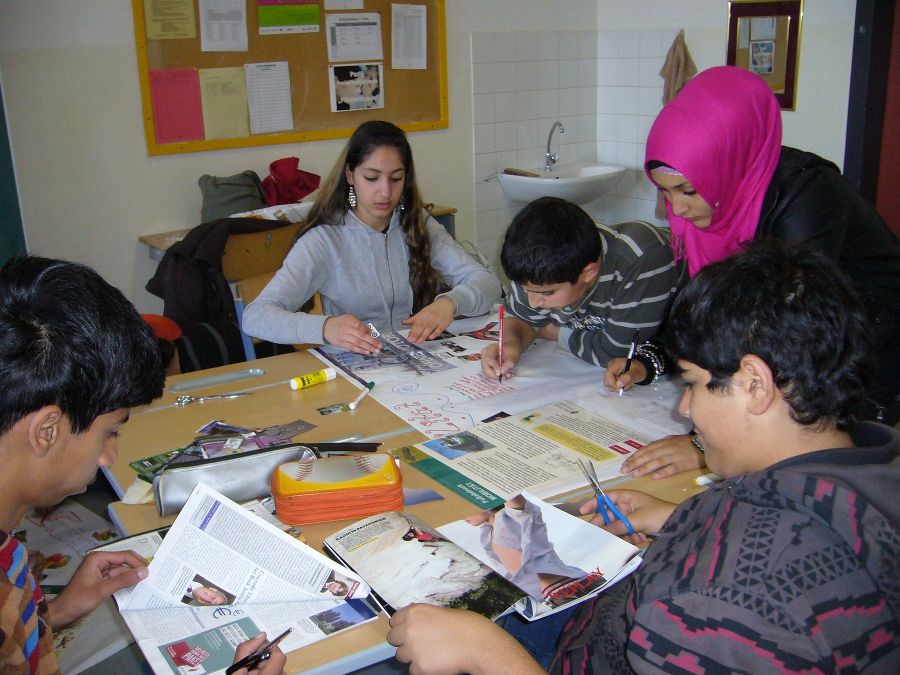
(500, 349)
(634, 340)
(362, 395)
(262, 654)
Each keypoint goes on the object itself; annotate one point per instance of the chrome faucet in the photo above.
(551, 158)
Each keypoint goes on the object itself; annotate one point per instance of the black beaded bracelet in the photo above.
(653, 361)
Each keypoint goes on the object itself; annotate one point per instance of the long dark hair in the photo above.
(331, 204)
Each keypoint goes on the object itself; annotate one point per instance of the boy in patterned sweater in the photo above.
(790, 564)
(585, 285)
(75, 356)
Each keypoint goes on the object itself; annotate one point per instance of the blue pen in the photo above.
(604, 503)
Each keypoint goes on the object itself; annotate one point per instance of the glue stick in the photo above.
(310, 379)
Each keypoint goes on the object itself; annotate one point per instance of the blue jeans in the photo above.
(538, 637)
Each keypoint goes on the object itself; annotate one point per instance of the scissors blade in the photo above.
(591, 474)
(591, 479)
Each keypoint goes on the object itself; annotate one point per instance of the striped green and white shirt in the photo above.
(637, 283)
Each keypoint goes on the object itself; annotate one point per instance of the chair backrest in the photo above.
(257, 253)
(248, 289)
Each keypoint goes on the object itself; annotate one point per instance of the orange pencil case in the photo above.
(336, 488)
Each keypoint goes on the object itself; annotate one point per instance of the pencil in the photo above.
(634, 341)
(500, 349)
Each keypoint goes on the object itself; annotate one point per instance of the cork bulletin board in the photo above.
(195, 99)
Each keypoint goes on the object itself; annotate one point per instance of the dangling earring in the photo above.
(401, 205)
(351, 196)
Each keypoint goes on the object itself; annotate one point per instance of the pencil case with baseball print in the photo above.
(336, 488)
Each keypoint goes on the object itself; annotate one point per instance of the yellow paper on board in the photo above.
(169, 19)
(223, 92)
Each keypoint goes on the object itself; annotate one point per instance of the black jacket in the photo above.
(189, 278)
(809, 201)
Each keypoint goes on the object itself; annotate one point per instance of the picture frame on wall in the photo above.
(764, 38)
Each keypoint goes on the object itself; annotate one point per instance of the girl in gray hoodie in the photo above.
(374, 255)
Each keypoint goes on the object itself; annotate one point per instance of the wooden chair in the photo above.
(249, 263)
(248, 289)
(253, 255)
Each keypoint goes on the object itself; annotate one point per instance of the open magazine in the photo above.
(552, 558)
(535, 451)
(223, 575)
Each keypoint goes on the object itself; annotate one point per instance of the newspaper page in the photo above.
(223, 575)
(537, 451)
(556, 558)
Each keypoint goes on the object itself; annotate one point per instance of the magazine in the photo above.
(536, 451)
(57, 542)
(223, 575)
(526, 555)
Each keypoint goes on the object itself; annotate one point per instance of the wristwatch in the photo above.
(696, 441)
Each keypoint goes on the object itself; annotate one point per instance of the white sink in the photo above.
(577, 182)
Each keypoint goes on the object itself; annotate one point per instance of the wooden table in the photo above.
(162, 426)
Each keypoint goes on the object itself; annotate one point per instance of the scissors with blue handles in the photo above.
(604, 503)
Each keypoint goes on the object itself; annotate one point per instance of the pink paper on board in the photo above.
(177, 110)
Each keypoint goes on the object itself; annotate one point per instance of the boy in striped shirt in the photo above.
(585, 285)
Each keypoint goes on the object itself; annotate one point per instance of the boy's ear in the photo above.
(590, 272)
(44, 429)
(758, 384)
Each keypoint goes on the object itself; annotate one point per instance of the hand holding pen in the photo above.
(263, 656)
(631, 350)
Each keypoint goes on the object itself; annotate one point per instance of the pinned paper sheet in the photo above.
(224, 95)
(409, 37)
(177, 111)
(169, 19)
(223, 25)
(269, 97)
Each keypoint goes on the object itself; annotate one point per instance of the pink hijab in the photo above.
(723, 133)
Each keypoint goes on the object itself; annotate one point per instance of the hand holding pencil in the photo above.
(623, 373)
(499, 358)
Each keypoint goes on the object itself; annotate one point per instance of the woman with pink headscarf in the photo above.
(715, 153)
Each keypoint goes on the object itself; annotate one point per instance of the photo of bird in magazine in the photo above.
(405, 561)
(557, 558)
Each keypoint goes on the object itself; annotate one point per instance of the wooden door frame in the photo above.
(12, 236)
(873, 31)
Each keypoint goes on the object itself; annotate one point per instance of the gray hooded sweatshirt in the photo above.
(360, 271)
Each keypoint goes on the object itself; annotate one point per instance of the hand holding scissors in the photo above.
(604, 503)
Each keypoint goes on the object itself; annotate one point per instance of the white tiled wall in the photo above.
(602, 85)
(523, 82)
(629, 98)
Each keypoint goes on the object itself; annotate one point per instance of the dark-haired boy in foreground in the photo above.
(585, 285)
(75, 356)
(791, 563)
